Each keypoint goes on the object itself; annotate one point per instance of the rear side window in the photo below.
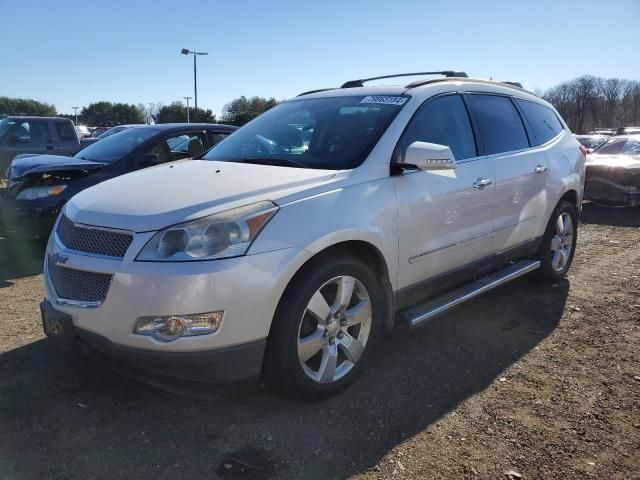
(500, 124)
(65, 131)
(543, 121)
(444, 121)
(34, 132)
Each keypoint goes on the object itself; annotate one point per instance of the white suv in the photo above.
(288, 248)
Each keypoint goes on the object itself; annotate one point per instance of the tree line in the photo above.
(107, 114)
(585, 103)
(589, 102)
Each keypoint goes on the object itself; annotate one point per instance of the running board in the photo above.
(416, 316)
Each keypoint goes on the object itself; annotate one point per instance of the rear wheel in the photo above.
(324, 328)
(559, 242)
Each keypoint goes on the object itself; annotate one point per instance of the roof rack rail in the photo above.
(515, 84)
(309, 92)
(360, 83)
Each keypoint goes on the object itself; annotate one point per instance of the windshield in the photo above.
(622, 146)
(591, 142)
(325, 133)
(116, 146)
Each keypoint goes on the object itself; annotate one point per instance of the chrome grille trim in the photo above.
(77, 287)
(93, 240)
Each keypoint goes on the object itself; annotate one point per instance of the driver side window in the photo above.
(445, 121)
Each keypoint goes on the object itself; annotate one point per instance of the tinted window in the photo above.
(543, 121)
(327, 133)
(65, 131)
(444, 121)
(116, 146)
(500, 124)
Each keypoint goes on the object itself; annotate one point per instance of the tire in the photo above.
(310, 318)
(558, 243)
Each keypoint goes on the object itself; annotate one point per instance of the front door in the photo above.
(445, 218)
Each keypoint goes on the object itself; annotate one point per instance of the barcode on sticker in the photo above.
(386, 100)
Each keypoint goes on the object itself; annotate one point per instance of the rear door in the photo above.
(521, 172)
(445, 218)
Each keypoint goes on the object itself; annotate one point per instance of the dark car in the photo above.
(39, 185)
(628, 131)
(613, 172)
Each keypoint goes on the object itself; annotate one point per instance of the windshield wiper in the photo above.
(274, 161)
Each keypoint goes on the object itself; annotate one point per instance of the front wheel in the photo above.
(324, 328)
(559, 242)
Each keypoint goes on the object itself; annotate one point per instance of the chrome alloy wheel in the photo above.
(334, 329)
(562, 242)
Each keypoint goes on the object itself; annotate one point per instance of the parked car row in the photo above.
(286, 250)
(40, 185)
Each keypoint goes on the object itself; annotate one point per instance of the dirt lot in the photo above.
(540, 380)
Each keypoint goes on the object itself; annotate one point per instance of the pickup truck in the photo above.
(51, 135)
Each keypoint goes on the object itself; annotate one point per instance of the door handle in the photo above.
(480, 183)
(49, 147)
(540, 169)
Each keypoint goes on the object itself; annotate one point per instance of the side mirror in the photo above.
(428, 156)
(146, 160)
(13, 139)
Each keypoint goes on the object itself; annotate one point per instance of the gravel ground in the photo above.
(528, 381)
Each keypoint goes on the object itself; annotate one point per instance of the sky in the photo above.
(72, 53)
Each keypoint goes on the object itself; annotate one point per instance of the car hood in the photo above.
(24, 165)
(614, 161)
(160, 196)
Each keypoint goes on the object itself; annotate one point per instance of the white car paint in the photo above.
(422, 222)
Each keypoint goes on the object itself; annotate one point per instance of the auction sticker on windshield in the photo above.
(386, 100)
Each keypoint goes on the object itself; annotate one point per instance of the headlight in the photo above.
(223, 235)
(34, 193)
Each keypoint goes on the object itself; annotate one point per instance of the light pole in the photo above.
(185, 51)
(75, 111)
(187, 99)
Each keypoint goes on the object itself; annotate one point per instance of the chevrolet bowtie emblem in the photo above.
(59, 259)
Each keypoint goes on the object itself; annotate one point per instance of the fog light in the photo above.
(170, 328)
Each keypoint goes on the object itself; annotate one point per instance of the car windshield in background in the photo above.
(622, 146)
(116, 146)
(111, 131)
(591, 142)
(325, 133)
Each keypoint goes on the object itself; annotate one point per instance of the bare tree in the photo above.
(590, 102)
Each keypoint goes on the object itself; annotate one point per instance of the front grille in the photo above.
(95, 240)
(78, 285)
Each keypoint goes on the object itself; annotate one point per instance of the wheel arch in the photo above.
(572, 197)
(366, 252)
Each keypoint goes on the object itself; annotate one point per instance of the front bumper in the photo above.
(613, 186)
(247, 289)
(222, 365)
(29, 218)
